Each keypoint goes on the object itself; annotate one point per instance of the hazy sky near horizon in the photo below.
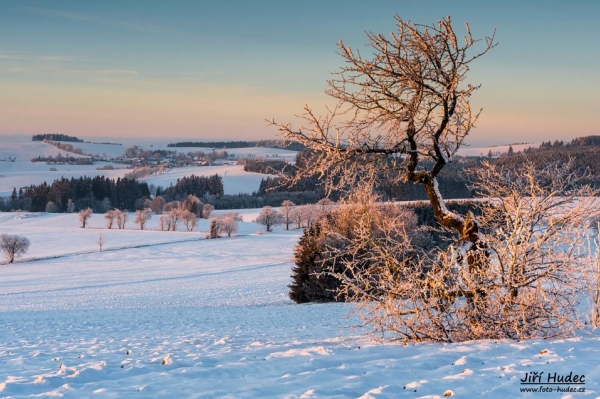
(218, 69)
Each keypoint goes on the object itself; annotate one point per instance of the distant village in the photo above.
(136, 156)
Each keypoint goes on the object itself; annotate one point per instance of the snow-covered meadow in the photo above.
(172, 314)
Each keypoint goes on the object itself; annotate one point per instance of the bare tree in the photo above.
(189, 219)
(297, 216)
(101, 241)
(310, 214)
(13, 245)
(226, 224)
(169, 206)
(164, 223)
(193, 204)
(157, 204)
(324, 206)
(110, 217)
(122, 216)
(286, 210)
(214, 229)
(51, 207)
(268, 217)
(84, 216)
(534, 223)
(207, 209)
(174, 216)
(402, 112)
(142, 217)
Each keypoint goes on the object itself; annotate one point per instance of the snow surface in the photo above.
(174, 315)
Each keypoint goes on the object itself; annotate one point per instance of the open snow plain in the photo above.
(174, 315)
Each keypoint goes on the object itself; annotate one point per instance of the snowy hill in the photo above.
(22, 172)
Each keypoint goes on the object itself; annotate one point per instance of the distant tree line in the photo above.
(72, 195)
(104, 142)
(254, 200)
(55, 137)
(199, 186)
(240, 144)
(65, 146)
(583, 151)
(453, 183)
(61, 159)
(270, 166)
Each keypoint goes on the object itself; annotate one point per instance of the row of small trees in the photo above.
(175, 212)
(187, 212)
(290, 214)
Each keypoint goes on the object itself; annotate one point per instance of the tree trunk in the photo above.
(468, 230)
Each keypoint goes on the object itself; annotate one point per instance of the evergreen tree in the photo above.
(311, 279)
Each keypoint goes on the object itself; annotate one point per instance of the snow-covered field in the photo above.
(235, 179)
(174, 315)
(115, 151)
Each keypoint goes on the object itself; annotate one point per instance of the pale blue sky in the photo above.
(203, 69)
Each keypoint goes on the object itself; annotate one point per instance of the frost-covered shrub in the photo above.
(326, 254)
(269, 217)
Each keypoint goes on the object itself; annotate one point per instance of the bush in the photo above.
(325, 251)
(522, 279)
(269, 217)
